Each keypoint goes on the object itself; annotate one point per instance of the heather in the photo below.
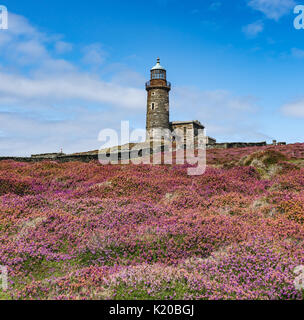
(86, 231)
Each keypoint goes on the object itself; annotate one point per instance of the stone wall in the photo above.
(125, 154)
(21, 159)
(67, 158)
(229, 145)
(47, 155)
(210, 140)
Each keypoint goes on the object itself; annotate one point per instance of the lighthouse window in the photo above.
(157, 74)
(152, 106)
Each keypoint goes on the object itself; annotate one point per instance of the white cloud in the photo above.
(54, 67)
(19, 25)
(124, 76)
(297, 53)
(55, 80)
(294, 109)
(23, 134)
(273, 9)
(223, 113)
(94, 54)
(67, 87)
(29, 51)
(216, 101)
(36, 87)
(63, 47)
(22, 44)
(253, 29)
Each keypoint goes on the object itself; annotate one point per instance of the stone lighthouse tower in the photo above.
(158, 89)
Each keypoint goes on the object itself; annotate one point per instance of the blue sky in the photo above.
(69, 69)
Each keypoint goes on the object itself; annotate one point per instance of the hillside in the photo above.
(85, 231)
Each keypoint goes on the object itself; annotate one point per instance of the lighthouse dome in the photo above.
(158, 66)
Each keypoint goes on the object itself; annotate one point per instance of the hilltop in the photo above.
(85, 231)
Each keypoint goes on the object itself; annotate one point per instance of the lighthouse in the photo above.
(158, 89)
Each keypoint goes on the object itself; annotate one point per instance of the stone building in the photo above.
(158, 112)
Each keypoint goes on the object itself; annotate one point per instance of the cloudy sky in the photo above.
(69, 69)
